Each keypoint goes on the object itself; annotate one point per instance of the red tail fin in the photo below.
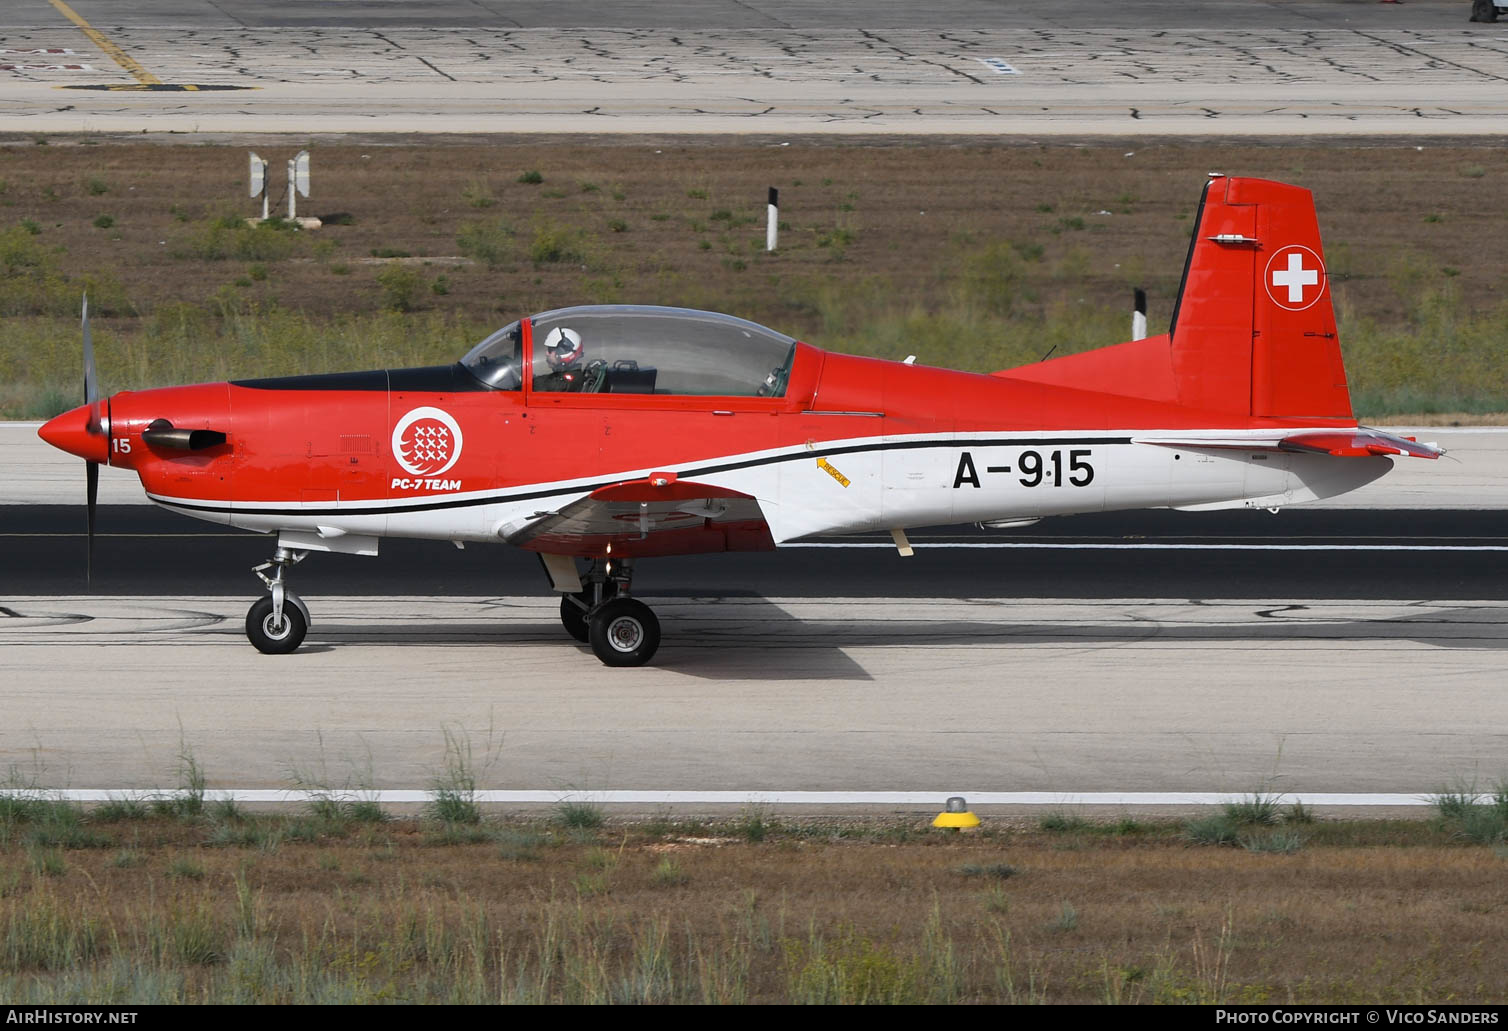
(1253, 330)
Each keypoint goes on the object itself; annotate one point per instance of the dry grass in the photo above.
(154, 911)
(976, 255)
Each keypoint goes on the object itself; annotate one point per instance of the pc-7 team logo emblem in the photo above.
(427, 441)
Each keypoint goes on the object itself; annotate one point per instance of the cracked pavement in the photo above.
(780, 68)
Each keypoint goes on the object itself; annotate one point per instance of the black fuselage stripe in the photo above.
(706, 470)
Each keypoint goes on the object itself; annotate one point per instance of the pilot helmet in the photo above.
(563, 349)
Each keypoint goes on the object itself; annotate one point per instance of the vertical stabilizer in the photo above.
(1254, 329)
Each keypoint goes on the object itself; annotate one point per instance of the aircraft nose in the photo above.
(70, 432)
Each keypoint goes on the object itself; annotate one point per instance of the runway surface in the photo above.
(1296, 554)
(756, 694)
(781, 67)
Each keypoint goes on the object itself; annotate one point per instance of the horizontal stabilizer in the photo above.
(1359, 443)
(1342, 443)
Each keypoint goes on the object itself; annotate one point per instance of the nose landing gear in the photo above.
(622, 631)
(277, 623)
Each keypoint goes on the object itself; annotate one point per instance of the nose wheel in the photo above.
(272, 634)
(276, 624)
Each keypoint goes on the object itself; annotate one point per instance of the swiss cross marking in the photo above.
(1295, 278)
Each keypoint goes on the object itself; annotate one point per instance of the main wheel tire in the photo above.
(624, 632)
(270, 638)
(573, 616)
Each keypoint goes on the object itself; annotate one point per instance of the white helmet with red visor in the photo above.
(563, 349)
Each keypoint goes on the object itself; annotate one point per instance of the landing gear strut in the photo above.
(621, 630)
(277, 623)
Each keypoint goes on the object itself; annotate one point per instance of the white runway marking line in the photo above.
(930, 799)
(998, 65)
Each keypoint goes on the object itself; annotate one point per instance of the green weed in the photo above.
(1059, 822)
(1256, 808)
(668, 874)
(186, 869)
(553, 244)
(401, 287)
(1212, 830)
(579, 815)
(1275, 841)
(478, 194)
(227, 237)
(119, 810)
(490, 242)
(453, 788)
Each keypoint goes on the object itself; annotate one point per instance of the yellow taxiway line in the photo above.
(115, 53)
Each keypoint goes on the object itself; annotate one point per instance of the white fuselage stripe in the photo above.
(717, 465)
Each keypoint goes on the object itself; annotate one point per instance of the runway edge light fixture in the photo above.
(956, 815)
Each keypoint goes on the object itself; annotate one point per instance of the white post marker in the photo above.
(259, 181)
(298, 180)
(772, 226)
(1139, 315)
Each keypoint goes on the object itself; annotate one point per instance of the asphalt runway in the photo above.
(756, 695)
(775, 68)
(1108, 665)
(1295, 554)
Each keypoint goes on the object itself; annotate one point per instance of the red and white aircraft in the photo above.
(612, 434)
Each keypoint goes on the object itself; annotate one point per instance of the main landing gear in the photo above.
(277, 623)
(622, 631)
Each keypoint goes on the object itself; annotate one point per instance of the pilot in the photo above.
(563, 351)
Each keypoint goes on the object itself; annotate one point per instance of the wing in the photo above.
(1343, 443)
(659, 515)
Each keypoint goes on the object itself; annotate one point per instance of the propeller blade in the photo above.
(91, 473)
(91, 377)
(94, 425)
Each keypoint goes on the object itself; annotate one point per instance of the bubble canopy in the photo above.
(637, 349)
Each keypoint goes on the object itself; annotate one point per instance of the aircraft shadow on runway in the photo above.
(761, 641)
